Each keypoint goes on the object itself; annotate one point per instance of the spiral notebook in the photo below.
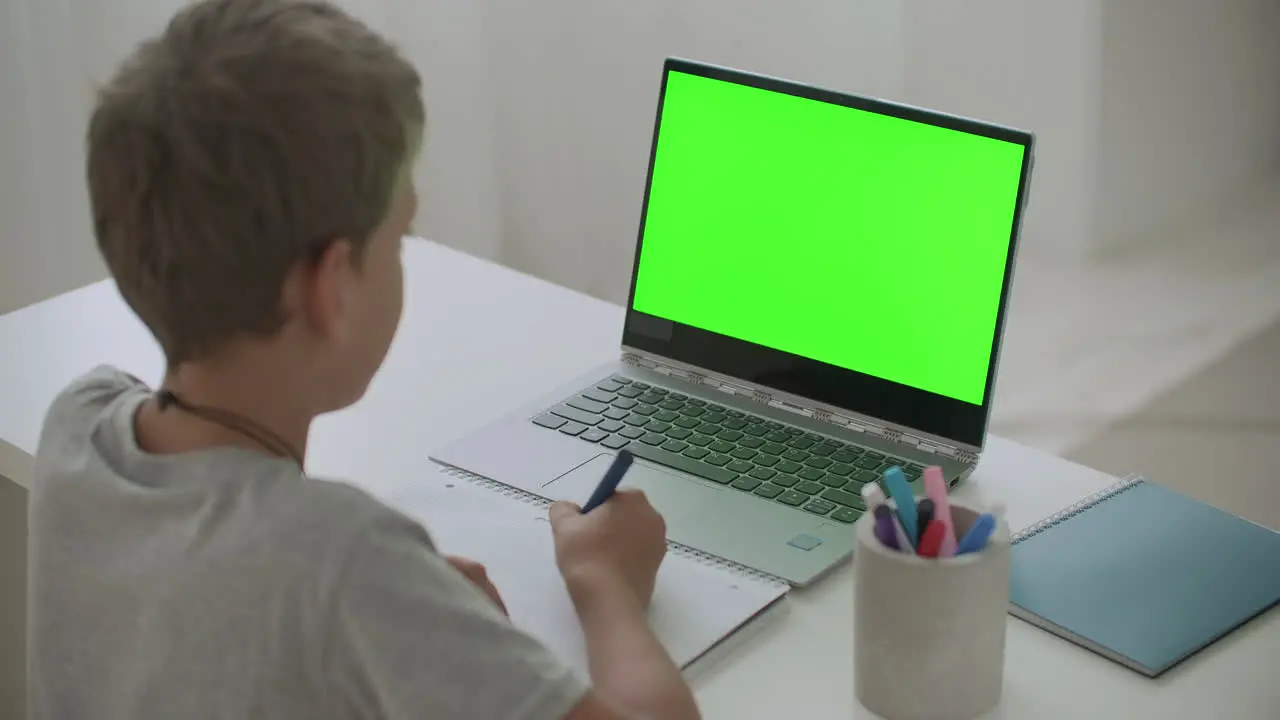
(1144, 575)
(699, 601)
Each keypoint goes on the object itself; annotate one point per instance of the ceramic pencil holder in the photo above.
(929, 633)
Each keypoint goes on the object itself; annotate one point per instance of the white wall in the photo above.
(1190, 109)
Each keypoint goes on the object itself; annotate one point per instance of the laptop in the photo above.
(818, 294)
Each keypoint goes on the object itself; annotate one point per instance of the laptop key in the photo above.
(773, 425)
(914, 467)
(615, 413)
(610, 426)
(670, 404)
(650, 397)
(734, 423)
(809, 488)
(615, 442)
(846, 515)
(571, 413)
(841, 469)
(624, 403)
(697, 453)
(659, 390)
(652, 438)
(792, 431)
(846, 499)
(684, 464)
(714, 417)
(844, 456)
(674, 446)
(751, 442)
(629, 392)
(593, 435)
(788, 466)
(609, 386)
(730, 435)
(785, 480)
(572, 428)
(777, 436)
(739, 466)
(801, 443)
(699, 440)
(693, 411)
(678, 396)
(763, 473)
(599, 396)
(868, 463)
(765, 460)
(745, 483)
(819, 507)
(549, 421)
(632, 433)
(823, 450)
(865, 476)
(643, 409)
(744, 453)
(756, 430)
(832, 481)
(734, 413)
(665, 416)
(634, 384)
(875, 455)
(719, 460)
(708, 428)
(715, 408)
(635, 420)
(810, 474)
(793, 498)
(818, 462)
(773, 448)
(697, 401)
(768, 490)
(622, 380)
(720, 446)
(686, 423)
(657, 426)
(677, 433)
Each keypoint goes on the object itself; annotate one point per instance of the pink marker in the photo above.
(935, 487)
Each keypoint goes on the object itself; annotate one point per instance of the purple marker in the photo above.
(885, 531)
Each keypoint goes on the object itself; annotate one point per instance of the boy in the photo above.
(249, 174)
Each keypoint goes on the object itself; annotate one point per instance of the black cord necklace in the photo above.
(270, 441)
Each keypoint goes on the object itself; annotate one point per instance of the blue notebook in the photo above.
(1144, 575)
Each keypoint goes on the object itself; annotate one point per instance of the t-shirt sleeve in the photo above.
(412, 638)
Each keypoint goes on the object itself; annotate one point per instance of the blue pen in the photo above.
(976, 539)
(609, 482)
(900, 490)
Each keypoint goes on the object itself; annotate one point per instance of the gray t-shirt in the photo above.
(224, 584)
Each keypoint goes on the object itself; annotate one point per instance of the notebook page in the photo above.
(695, 606)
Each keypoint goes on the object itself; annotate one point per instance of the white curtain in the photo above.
(540, 114)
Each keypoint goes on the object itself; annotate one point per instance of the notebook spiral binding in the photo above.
(1076, 509)
(675, 548)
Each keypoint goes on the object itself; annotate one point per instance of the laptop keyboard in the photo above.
(755, 455)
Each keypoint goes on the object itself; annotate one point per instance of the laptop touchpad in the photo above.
(674, 496)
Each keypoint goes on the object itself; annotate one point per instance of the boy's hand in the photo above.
(617, 546)
(476, 573)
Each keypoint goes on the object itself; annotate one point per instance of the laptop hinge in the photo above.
(794, 405)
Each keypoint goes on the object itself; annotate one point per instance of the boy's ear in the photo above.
(325, 290)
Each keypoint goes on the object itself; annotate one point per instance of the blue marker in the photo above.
(900, 490)
(976, 539)
(609, 482)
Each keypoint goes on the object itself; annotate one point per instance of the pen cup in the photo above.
(929, 633)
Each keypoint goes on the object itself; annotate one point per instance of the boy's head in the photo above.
(249, 176)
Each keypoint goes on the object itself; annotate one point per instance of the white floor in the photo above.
(1089, 345)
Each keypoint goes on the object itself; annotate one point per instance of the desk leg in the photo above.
(13, 600)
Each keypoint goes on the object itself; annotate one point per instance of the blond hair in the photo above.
(238, 143)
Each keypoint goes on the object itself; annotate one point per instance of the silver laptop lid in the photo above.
(854, 252)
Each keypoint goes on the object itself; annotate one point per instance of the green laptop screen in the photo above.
(860, 240)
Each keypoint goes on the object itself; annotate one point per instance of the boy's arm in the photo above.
(633, 675)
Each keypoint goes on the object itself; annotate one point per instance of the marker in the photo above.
(609, 483)
(935, 486)
(885, 531)
(924, 512)
(931, 540)
(976, 539)
(896, 483)
(873, 496)
(904, 542)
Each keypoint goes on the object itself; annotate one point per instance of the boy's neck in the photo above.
(257, 391)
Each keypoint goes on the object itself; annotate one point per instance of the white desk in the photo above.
(477, 338)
